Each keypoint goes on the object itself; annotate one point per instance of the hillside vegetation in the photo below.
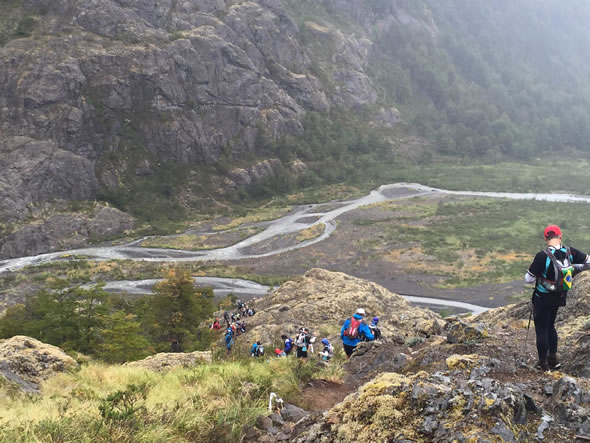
(429, 379)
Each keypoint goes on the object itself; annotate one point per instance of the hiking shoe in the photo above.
(542, 366)
(552, 362)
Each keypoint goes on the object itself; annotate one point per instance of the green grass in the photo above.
(483, 240)
(195, 242)
(84, 271)
(538, 176)
(203, 403)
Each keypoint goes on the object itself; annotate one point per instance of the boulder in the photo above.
(27, 361)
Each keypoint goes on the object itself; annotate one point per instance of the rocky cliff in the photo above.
(99, 96)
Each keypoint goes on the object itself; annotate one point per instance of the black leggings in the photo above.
(545, 329)
(348, 349)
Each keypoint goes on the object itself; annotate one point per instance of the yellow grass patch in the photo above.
(311, 232)
(261, 215)
(469, 263)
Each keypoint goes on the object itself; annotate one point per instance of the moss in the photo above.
(456, 361)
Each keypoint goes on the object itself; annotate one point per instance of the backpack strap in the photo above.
(551, 259)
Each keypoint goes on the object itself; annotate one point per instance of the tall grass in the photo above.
(203, 403)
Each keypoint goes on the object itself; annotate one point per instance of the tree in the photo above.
(92, 308)
(176, 309)
(122, 339)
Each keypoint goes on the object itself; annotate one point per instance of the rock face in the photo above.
(165, 361)
(38, 171)
(27, 361)
(321, 300)
(105, 90)
(61, 232)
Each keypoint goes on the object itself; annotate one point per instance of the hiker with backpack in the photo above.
(302, 342)
(257, 350)
(352, 331)
(374, 329)
(328, 351)
(552, 271)
(288, 344)
(229, 339)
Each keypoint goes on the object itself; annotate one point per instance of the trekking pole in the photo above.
(530, 317)
(527, 330)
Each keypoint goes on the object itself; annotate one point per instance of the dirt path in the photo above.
(321, 395)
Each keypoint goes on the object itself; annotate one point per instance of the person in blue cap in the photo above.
(353, 329)
(328, 351)
(374, 329)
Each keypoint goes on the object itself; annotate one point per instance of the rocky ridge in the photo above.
(321, 300)
(472, 381)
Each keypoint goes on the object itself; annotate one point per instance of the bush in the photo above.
(124, 405)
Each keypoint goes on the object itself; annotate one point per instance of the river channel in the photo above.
(302, 217)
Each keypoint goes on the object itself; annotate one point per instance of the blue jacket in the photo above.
(288, 345)
(363, 330)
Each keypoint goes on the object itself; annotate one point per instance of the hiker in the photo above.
(254, 349)
(302, 343)
(328, 351)
(552, 272)
(226, 318)
(279, 353)
(374, 329)
(310, 342)
(352, 331)
(251, 312)
(257, 350)
(216, 324)
(288, 344)
(229, 339)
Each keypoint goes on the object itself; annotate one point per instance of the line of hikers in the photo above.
(235, 323)
(354, 330)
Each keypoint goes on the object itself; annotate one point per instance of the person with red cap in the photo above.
(552, 272)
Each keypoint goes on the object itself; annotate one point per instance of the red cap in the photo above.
(551, 230)
(278, 351)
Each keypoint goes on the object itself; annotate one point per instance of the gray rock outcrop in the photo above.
(114, 88)
(26, 361)
(38, 171)
(60, 232)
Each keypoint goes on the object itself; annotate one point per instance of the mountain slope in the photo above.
(167, 108)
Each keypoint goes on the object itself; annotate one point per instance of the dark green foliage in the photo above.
(477, 84)
(25, 27)
(175, 311)
(122, 339)
(124, 405)
(65, 317)
(113, 328)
